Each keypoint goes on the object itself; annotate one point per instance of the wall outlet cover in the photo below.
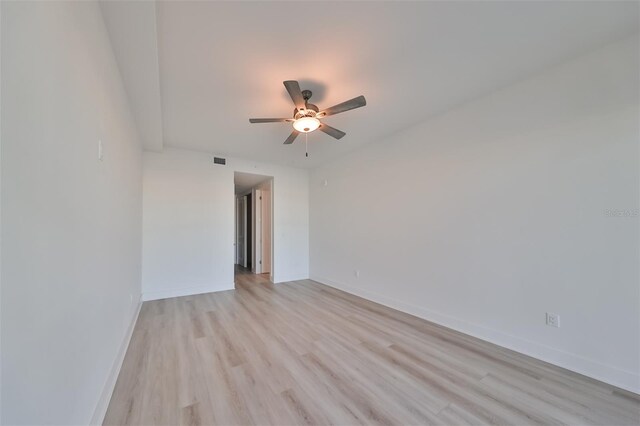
(553, 320)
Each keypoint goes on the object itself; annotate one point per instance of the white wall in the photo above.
(488, 216)
(71, 242)
(0, 214)
(188, 222)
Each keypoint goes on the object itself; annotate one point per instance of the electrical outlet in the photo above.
(553, 320)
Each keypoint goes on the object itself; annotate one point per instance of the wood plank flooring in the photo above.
(305, 353)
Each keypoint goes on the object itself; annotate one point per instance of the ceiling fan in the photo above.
(306, 116)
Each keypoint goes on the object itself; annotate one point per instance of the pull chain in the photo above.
(306, 144)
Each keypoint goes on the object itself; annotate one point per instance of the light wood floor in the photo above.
(302, 352)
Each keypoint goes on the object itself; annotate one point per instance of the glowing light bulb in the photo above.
(306, 124)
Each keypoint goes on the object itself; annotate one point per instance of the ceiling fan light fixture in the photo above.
(306, 124)
(306, 116)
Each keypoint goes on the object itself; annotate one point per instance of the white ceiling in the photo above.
(219, 63)
(245, 181)
(132, 31)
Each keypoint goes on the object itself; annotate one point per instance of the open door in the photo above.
(263, 229)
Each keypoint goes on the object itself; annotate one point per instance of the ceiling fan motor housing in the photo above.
(310, 109)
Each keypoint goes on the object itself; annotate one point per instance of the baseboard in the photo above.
(605, 373)
(278, 279)
(185, 291)
(105, 398)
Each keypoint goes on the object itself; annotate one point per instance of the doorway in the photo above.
(253, 227)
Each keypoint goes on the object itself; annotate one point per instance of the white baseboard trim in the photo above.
(612, 375)
(105, 398)
(185, 291)
(279, 280)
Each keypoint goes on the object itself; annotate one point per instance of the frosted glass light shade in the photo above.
(306, 124)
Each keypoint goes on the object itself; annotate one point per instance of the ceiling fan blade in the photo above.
(332, 131)
(292, 137)
(296, 94)
(269, 120)
(354, 103)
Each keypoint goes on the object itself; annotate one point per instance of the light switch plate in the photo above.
(100, 151)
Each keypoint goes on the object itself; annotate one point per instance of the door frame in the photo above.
(257, 228)
(266, 201)
(241, 224)
(257, 231)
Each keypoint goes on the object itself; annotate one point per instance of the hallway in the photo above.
(243, 277)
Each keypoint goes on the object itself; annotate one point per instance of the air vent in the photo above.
(219, 160)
